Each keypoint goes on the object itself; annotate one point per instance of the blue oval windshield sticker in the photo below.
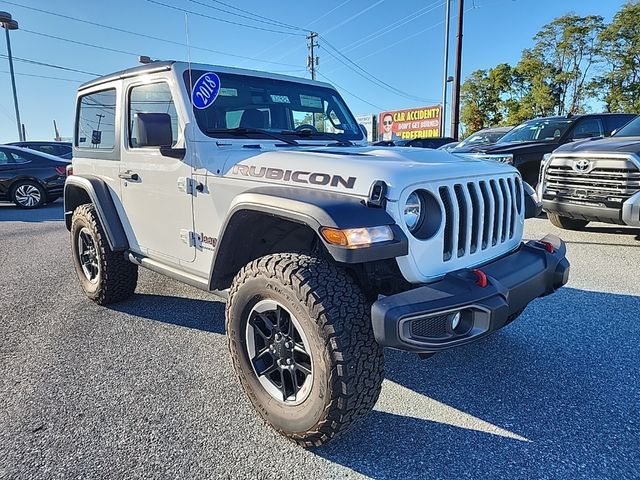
(205, 90)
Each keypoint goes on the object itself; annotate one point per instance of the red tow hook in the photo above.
(481, 277)
(548, 246)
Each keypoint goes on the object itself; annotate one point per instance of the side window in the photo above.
(616, 122)
(50, 149)
(19, 158)
(4, 159)
(588, 128)
(97, 120)
(151, 98)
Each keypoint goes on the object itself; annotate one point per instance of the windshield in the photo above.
(540, 130)
(631, 129)
(482, 138)
(277, 106)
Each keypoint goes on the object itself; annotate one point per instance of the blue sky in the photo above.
(398, 42)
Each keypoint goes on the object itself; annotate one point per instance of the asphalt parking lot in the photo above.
(145, 389)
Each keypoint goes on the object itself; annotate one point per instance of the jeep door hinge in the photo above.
(189, 185)
(188, 237)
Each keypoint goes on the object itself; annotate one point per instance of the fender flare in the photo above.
(77, 189)
(315, 209)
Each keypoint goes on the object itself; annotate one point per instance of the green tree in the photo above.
(566, 50)
(618, 84)
(481, 97)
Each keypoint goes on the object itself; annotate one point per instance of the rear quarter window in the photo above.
(96, 120)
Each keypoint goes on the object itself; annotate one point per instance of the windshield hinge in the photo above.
(189, 185)
(188, 237)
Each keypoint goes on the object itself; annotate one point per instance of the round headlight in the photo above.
(412, 213)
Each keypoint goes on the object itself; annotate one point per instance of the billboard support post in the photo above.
(445, 76)
(455, 104)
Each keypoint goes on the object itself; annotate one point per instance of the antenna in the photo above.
(186, 29)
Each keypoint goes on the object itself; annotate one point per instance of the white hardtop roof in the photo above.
(180, 67)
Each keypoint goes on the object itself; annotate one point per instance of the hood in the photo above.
(353, 170)
(611, 144)
(509, 147)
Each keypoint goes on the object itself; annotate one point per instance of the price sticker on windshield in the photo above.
(205, 90)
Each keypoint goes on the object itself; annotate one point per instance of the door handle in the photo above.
(129, 175)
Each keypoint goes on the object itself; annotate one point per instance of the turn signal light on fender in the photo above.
(357, 237)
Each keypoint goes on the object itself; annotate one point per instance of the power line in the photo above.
(381, 109)
(142, 35)
(249, 16)
(367, 75)
(199, 14)
(354, 16)
(59, 67)
(44, 76)
(76, 42)
(393, 26)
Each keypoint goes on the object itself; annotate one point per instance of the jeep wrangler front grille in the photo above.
(603, 179)
(479, 215)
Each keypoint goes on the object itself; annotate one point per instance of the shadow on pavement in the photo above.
(205, 315)
(47, 213)
(547, 397)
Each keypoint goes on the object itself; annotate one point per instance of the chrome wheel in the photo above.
(27, 195)
(279, 352)
(88, 255)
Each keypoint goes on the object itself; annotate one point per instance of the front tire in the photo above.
(105, 276)
(567, 223)
(303, 323)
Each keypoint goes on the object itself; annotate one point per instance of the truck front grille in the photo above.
(479, 215)
(609, 179)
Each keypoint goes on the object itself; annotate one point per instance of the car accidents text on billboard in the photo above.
(421, 122)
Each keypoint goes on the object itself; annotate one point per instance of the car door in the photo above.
(7, 172)
(154, 187)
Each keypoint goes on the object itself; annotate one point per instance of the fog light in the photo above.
(455, 320)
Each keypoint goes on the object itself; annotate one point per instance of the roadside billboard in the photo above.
(421, 122)
(368, 120)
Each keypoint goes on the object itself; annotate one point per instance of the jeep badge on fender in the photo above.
(326, 250)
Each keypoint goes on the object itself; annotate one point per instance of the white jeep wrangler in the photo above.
(260, 187)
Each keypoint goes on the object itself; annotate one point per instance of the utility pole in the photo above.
(312, 60)
(8, 23)
(445, 76)
(455, 107)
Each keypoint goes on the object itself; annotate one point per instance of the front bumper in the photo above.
(627, 213)
(458, 310)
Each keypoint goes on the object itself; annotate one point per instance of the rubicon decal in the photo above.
(297, 176)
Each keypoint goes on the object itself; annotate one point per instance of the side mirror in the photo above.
(154, 130)
(614, 131)
(532, 204)
(364, 130)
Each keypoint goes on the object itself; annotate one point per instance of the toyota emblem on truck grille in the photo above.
(582, 166)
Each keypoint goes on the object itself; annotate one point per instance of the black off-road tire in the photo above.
(567, 223)
(347, 363)
(117, 277)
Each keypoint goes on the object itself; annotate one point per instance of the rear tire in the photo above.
(28, 194)
(344, 364)
(105, 276)
(567, 223)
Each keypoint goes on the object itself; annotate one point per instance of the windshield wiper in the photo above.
(310, 134)
(252, 131)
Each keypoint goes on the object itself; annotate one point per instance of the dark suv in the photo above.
(526, 144)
